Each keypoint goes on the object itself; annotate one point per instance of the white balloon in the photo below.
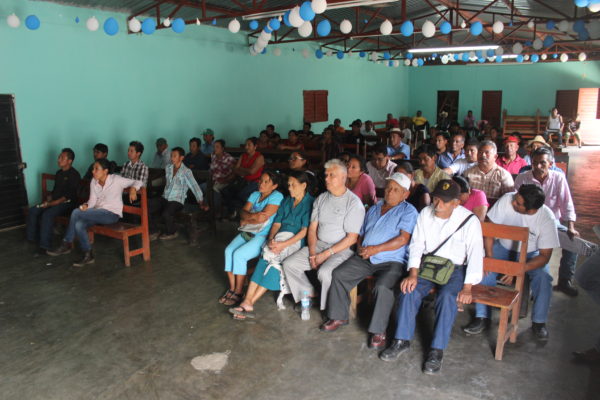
(526, 57)
(253, 51)
(379, 62)
(329, 53)
(13, 21)
(415, 62)
(564, 57)
(544, 56)
(386, 27)
(472, 55)
(373, 56)
(396, 63)
(563, 25)
(594, 7)
(531, 24)
(295, 19)
(305, 29)
(277, 52)
(517, 48)
(197, 21)
(92, 24)
(582, 56)
(498, 27)
(345, 27)
(349, 54)
(463, 24)
(234, 26)
(305, 53)
(167, 22)
(407, 62)
(491, 59)
(318, 6)
(499, 51)
(262, 42)
(538, 44)
(134, 25)
(266, 36)
(444, 59)
(428, 29)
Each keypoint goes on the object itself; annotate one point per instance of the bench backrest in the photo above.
(512, 268)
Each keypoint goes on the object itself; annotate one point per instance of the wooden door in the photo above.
(491, 107)
(448, 101)
(566, 102)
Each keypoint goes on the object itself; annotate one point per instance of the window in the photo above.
(315, 106)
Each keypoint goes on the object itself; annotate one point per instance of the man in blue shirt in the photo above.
(455, 153)
(382, 251)
(208, 146)
(398, 150)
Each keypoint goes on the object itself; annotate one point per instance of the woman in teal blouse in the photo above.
(286, 236)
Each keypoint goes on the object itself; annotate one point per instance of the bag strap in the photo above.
(452, 234)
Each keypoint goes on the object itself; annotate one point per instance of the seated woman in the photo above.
(472, 199)
(105, 206)
(248, 170)
(330, 145)
(264, 143)
(286, 237)
(419, 194)
(256, 219)
(292, 142)
(359, 182)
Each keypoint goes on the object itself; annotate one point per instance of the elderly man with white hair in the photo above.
(335, 224)
(382, 251)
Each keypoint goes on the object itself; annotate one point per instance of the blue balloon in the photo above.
(76, 20)
(264, 51)
(111, 26)
(476, 28)
(583, 34)
(286, 18)
(323, 28)
(407, 28)
(434, 55)
(535, 58)
(319, 54)
(340, 54)
(479, 53)
(387, 55)
(362, 54)
(481, 60)
(456, 57)
(528, 43)
(520, 58)
(148, 26)
(390, 63)
(582, 3)
(32, 22)
(446, 27)
(306, 11)
(548, 41)
(410, 56)
(420, 62)
(274, 24)
(498, 59)
(578, 25)
(214, 21)
(178, 25)
(465, 57)
(267, 29)
(253, 25)
(554, 55)
(510, 24)
(550, 24)
(490, 53)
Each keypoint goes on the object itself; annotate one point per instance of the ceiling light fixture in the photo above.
(454, 49)
(334, 6)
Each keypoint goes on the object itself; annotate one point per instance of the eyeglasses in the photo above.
(295, 158)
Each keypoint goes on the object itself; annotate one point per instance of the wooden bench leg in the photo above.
(146, 245)
(126, 251)
(502, 325)
(514, 322)
(353, 302)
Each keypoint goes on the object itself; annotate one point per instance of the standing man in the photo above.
(489, 176)
(62, 200)
(100, 153)
(380, 168)
(162, 157)
(208, 147)
(135, 168)
(335, 224)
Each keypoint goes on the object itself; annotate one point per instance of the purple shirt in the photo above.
(558, 195)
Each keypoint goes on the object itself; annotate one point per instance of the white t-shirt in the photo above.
(542, 224)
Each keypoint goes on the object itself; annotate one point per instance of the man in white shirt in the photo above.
(523, 208)
(459, 166)
(162, 157)
(440, 221)
(380, 168)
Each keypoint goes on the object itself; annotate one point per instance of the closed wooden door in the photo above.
(491, 106)
(566, 102)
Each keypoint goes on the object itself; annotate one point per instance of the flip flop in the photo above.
(233, 299)
(241, 313)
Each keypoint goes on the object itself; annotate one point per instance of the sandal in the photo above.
(226, 296)
(240, 313)
(233, 299)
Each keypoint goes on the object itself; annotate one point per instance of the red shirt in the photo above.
(248, 162)
(513, 166)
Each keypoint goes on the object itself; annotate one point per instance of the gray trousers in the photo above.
(349, 274)
(588, 278)
(295, 265)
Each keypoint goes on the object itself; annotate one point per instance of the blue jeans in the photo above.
(40, 222)
(239, 252)
(541, 285)
(588, 278)
(445, 309)
(568, 261)
(81, 220)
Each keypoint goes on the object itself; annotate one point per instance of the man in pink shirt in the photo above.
(511, 161)
(559, 200)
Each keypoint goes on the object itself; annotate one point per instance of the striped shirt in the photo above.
(495, 183)
(178, 185)
(137, 171)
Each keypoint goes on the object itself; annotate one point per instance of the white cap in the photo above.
(400, 179)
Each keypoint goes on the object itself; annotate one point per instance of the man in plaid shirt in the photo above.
(135, 167)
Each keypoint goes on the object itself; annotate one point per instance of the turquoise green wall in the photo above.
(525, 88)
(75, 88)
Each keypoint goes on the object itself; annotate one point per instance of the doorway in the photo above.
(447, 101)
(566, 102)
(13, 196)
(491, 107)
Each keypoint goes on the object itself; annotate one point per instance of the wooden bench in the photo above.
(528, 126)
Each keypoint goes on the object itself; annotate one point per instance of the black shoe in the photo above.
(476, 326)
(88, 258)
(65, 248)
(393, 352)
(567, 287)
(40, 252)
(433, 364)
(540, 331)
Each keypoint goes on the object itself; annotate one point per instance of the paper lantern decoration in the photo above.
(111, 26)
(499, 51)
(578, 25)
(274, 24)
(295, 18)
(548, 41)
(319, 54)
(234, 26)
(498, 27)
(32, 22)
(472, 56)
(253, 25)
(538, 44)
(531, 24)
(428, 29)
(517, 48)
(13, 21)
(340, 55)
(167, 22)
(550, 25)
(446, 27)
(444, 59)
(362, 54)
(305, 53)
(286, 18)
(582, 56)
(544, 56)
(476, 28)
(373, 56)
(319, 6)
(520, 58)
(178, 25)
(526, 57)
(563, 25)
(329, 53)
(323, 28)
(415, 62)
(306, 11)
(407, 62)
(564, 57)
(149, 26)
(92, 24)
(535, 58)
(134, 25)
(386, 27)
(305, 29)
(345, 27)
(407, 28)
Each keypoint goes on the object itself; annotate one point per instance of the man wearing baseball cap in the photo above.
(381, 251)
(511, 161)
(443, 219)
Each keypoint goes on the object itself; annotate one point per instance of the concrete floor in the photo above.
(110, 332)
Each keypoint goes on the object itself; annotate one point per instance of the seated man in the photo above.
(162, 157)
(382, 251)
(195, 159)
(207, 147)
(380, 168)
(459, 166)
(335, 223)
(447, 230)
(273, 136)
(429, 174)
(135, 168)
(511, 161)
(62, 200)
(454, 153)
(489, 176)
(419, 122)
(391, 122)
(397, 149)
(524, 208)
(100, 152)
(179, 179)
